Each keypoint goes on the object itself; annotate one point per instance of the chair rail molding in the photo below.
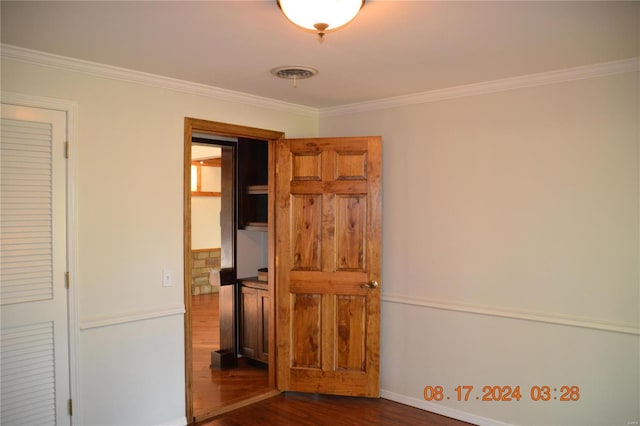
(519, 314)
(131, 316)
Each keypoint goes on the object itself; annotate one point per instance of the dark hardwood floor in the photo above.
(213, 389)
(297, 409)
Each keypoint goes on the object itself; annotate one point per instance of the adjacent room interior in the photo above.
(220, 379)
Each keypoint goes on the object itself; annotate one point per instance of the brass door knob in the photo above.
(370, 284)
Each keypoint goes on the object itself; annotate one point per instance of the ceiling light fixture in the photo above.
(320, 15)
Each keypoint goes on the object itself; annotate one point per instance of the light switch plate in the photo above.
(166, 278)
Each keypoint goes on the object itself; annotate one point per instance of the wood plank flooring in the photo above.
(297, 409)
(215, 389)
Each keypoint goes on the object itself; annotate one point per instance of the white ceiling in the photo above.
(392, 48)
(204, 152)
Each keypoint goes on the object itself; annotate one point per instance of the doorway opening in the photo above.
(223, 370)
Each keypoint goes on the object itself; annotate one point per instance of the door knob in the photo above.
(370, 284)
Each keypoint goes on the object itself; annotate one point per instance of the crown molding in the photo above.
(529, 80)
(123, 74)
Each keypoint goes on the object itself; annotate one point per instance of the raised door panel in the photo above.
(306, 226)
(249, 322)
(351, 323)
(351, 165)
(306, 166)
(351, 226)
(263, 325)
(306, 332)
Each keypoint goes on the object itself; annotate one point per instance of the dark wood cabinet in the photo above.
(254, 319)
(253, 215)
(253, 179)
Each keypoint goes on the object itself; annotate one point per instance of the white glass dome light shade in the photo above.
(312, 14)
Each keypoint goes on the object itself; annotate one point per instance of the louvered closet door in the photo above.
(34, 338)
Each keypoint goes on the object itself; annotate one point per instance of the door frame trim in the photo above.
(195, 125)
(70, 108)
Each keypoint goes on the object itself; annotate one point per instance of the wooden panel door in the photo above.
(328, 230)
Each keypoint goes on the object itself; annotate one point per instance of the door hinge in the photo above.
(66, 150)
(277, 168)
(277, 261)
(71, 407)
(67, 279)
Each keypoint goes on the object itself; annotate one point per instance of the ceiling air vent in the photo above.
(294, 73)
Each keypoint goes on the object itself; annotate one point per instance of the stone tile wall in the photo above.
(202, 261)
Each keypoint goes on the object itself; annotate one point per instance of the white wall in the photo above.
(252, 252)
(205, 222)
(502, 208)
(205, 212)
(130, 228)
(499, 207)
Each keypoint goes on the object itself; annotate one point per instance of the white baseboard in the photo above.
(442, 410)
(177, 422)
